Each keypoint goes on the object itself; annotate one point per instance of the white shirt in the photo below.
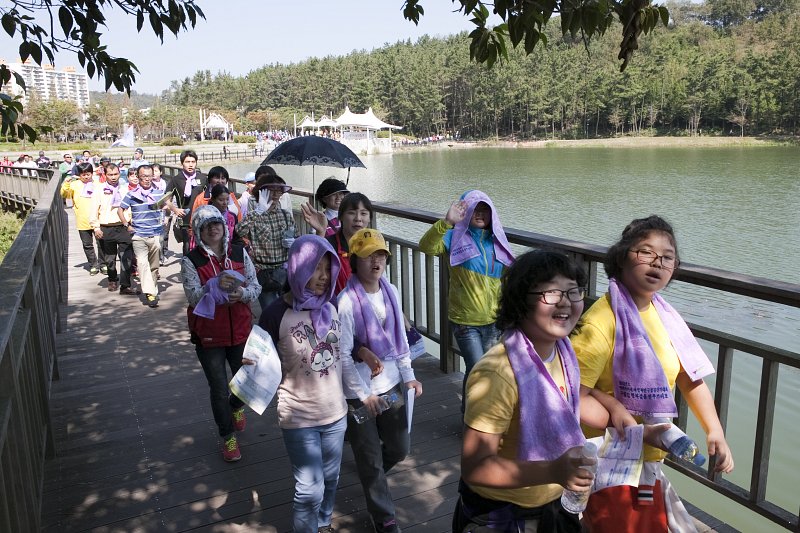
(394, 371)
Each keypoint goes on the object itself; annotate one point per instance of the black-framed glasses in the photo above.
(554, 296)
(649, 257)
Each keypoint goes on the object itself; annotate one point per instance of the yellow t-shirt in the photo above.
(492, 406)
(593, 341)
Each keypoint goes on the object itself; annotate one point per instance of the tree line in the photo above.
(710, 71)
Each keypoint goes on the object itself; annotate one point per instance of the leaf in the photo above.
(9, 24)
(90, 68)
(65, 18)
(139, 20)
(24, 53)
(664, 12)
(155, 23)
(36, 52)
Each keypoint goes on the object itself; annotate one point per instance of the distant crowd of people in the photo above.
(540, 374)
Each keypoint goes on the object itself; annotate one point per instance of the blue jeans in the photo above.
(222, 401)
(474, 341)
(378, 444)
(316, 455)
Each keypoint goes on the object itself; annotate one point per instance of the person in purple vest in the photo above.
(518, 452)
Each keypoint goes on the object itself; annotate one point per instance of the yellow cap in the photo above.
(367, 241)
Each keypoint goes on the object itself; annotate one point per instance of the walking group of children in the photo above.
(540, 375)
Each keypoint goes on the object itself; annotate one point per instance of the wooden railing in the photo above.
(21, 188)
(32, 275)
(31, 289)
(423, 286)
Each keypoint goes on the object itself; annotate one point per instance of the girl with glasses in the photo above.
(518, 445)
(632, 344)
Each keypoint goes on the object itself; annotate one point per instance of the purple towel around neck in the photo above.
(549, 425)
(214, 296)
(462, 245)
(639, 380)
(388, 341)
(304, 255)
(88, 189)
(143, 195)
(116, 193)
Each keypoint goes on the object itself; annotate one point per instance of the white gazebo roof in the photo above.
(217, 122)
(307, 123)
(326, 122)
(366, 120)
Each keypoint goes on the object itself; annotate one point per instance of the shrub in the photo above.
(172, 141)
(10, 224)
(244, 139)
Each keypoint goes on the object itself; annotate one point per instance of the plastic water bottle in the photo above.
(362, 414)
(678, 443)
(575, 502)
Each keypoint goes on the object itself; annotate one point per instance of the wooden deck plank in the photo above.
(137, 449)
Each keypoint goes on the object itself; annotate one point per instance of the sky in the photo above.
(239, 36)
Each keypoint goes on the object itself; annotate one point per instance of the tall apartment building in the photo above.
(48, 83)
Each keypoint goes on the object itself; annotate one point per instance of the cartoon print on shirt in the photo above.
(323, 356)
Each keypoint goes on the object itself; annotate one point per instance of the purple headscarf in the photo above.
(304, 255)
(462, 245)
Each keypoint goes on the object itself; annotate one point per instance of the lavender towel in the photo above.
(143, 195)
(88, 189)
(639, 380)
(304, 255)
(214, 296)
(116, 197)
(388, 341)
(462, 245)
(549, 425)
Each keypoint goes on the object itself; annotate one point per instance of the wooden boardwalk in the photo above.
(137, 448)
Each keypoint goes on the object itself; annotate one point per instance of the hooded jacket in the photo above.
(474, 280)
(232, 322)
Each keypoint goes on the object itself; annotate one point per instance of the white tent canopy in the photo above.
(216, 122)
(366, 120)
(307, 123)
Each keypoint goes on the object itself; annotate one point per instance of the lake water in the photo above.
(736, 209)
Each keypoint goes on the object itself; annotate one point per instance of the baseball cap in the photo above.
(250, 177)
(367, 241)
(67, 154)
(138, 150)
(105, 159)
(330, 186)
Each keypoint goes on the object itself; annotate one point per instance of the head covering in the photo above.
(329, 186)
(105, 159)
(138, 151)
(462, 245)
(367, 241)
(207, 214)
(67, 154)
(304, 255)
(250, 177)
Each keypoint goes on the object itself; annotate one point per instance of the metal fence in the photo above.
(32, 288)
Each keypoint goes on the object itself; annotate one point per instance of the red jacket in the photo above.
(339, 244)
(232, 322)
